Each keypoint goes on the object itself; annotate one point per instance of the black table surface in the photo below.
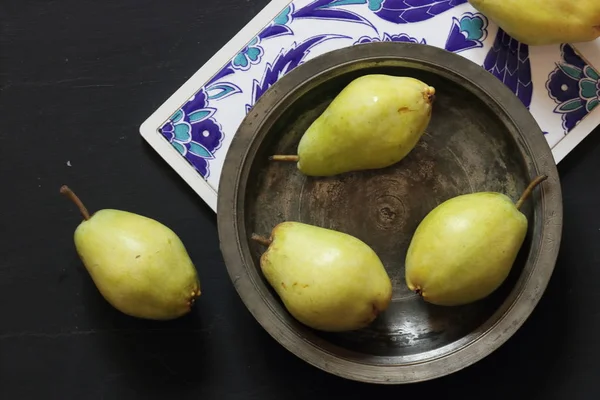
(77, 77)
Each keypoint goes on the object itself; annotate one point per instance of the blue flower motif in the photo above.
(574, 86)
(401, 37)
(177, 132)
(250, 55)
(195, 134)
(467, 33)
(474, 26)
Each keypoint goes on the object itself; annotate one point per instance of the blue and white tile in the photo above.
(558, 86)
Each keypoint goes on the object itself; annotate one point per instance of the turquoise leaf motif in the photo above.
(571, 105)
(179, 147)
(222, 90)
(200, 151)
(375, 5)
(571, 71)
(201, 115)
(177, 116)
(588, 90)
(591, 73)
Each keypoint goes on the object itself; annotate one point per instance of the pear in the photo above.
(372, 123)
(327, 280)
(140, 266)
(464, 249)
(544, 22)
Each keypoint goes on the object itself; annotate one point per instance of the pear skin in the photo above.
(372, 123)
(464, 249)
(544, 22)
(139, 266)
(327, 280)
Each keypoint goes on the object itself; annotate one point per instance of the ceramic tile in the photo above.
(558, 84)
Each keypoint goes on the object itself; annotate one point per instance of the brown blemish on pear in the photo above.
(291, 273)
(429, 95)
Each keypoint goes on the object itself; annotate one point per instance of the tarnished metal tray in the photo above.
(480, 138)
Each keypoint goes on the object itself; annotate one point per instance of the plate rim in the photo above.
(235, 247)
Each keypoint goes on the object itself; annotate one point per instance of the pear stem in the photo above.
(530, 189)
(65, 190)
(284, 158)
(261, 240)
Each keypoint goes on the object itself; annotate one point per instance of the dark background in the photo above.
(77, 77)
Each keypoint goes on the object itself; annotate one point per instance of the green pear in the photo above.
(544, 22)
(140, 266)
(327, 280)
(464, 249)
(372, 123)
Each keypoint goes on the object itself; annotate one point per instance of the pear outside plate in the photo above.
(480, 138)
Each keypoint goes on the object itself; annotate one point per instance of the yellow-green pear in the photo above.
(464, 249)
(372, 123)
(544, 22)
(140, 266)
(327, 280)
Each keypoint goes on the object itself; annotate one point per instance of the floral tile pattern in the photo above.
(574, 86)
(556, 84)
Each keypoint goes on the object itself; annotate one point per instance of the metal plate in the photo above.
(480, 138)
